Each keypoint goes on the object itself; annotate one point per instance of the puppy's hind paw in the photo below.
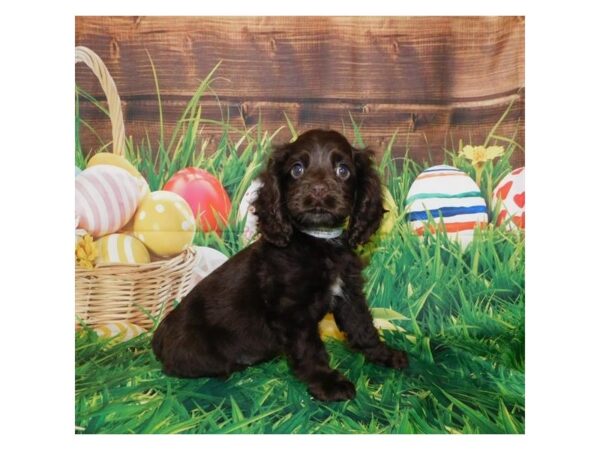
(398, 359)
(332, 387)
(389, 357)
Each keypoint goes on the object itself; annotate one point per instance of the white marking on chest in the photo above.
(336, 290)
(336, 287)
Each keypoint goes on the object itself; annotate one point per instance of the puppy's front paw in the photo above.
(332, 387)
(397, 359)
(386, 356)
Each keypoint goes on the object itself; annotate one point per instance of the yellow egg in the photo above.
(115, 160)
(121, 249)
(164, 223)
(124, 330)
(329, 329)
(391, 216)
(387, 224)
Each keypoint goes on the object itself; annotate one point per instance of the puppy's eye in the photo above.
(342, 171)
(297, 170)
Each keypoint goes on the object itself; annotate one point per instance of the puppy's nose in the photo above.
(318, 190)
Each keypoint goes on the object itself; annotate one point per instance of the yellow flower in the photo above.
(479, 155)
(86, 252)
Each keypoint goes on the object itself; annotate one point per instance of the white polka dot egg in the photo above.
(164, 223)
(246, 211)
(207, 260)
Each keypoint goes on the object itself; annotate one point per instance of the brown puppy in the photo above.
(269, 298)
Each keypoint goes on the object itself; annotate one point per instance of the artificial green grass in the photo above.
(462, 321)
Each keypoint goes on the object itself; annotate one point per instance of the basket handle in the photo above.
(93, 61)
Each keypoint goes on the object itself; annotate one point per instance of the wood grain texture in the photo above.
(432, 79)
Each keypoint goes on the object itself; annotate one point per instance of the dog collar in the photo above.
(323, 233)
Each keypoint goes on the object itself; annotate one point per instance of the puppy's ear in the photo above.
(273, 219)
(368, 206)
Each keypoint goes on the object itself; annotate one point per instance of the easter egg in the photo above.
(207, 260)
(510, 194)
(164, 223)
(120, 331)
(121, 249)
(119, 161)
(449, 195)
(391, 216)
(206, 196)
(79, 234)
(328, 328)
(246, 210)
(382, 320)
(106, 197)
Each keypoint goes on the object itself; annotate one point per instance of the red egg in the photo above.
(205, 195)
(510, 193)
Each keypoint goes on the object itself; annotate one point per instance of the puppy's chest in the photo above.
(329, 297)
(325, 293)
(334, 288)
(336, 291)
(318, 282)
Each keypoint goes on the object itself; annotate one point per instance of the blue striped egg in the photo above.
(451, 198)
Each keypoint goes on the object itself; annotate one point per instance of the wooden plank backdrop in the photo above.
(433, 80)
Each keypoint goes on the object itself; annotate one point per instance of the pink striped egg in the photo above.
(106, 197)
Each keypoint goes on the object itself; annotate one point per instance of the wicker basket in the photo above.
(132, 293)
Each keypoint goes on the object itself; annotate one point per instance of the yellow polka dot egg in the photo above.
(121, 249)
(164, 223)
